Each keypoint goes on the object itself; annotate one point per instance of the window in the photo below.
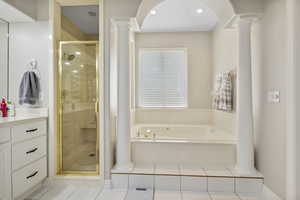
(162, 78)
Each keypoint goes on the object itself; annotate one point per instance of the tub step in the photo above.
(187, 178)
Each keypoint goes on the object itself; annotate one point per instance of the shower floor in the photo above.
(82, 158)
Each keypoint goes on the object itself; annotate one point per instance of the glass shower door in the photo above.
(78, 104)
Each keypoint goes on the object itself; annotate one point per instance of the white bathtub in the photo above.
(182, 133)
(183, 144)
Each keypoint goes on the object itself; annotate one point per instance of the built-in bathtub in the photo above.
(177, 144)
(182, 133)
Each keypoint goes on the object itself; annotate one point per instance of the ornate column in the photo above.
(123, 151)
(244, 98)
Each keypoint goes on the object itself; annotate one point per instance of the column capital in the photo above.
(235, 20)
(121, 21)
(249, 17)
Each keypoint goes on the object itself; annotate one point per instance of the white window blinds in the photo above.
(162, 78)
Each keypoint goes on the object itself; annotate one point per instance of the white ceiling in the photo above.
(11, 14)
(180, 16)
(79, 15)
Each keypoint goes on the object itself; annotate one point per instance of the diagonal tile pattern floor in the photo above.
(170, 195)
(90, 190)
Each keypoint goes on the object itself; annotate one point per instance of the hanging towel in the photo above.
(222, 99)
(30, 89)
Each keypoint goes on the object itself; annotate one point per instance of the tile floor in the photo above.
(90, 190)
(158, 184)
(67, 190)
(171, 195)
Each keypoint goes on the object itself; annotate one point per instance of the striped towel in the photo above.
(223, 93)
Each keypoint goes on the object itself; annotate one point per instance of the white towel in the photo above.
(222, 99)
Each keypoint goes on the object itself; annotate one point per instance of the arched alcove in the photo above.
(223, 10)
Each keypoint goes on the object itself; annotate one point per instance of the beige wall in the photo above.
(199, 48)
(269, 74)
(269, 49)
(225, 53)
(225, 47)
(297, 85)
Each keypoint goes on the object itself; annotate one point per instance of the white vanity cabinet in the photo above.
(5, 164)
(23, 157)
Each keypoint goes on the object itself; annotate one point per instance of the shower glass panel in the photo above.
(79, 108)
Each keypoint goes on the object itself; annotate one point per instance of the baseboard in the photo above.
(268, 194)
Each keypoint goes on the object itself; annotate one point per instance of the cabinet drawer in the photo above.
(29, 130)
(4, 135)
(28, 151)
(28, 177)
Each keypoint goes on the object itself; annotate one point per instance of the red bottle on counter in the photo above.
(4, 108)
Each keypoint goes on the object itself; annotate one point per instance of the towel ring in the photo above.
(33, 66)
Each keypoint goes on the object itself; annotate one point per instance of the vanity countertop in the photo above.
(23, 116)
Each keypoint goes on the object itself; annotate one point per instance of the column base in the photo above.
(249, 171)
(122, 168)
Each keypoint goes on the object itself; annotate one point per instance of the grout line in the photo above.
(125, 197)
(238, 196)
(210, 196)
(180, 184)
(234, 182)
(207, 184)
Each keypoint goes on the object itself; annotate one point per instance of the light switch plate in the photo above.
(274, 96)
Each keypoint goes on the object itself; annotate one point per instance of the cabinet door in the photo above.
(5, 171)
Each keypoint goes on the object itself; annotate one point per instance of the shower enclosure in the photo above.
(78, 108)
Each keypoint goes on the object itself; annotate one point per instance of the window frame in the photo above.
(139, 71)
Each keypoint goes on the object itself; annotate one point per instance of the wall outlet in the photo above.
(274, 96)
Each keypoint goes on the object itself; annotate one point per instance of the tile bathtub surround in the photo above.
(218, 172)
(143, 169)
(120, 181)
(165, 169)
(245, 185)
(238, 174)
(192, 170)
(220, 184)
(139, 195)
(194, 184)
(171, 183)
(141, 181)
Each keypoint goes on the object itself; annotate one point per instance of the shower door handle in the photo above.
(97, 106)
